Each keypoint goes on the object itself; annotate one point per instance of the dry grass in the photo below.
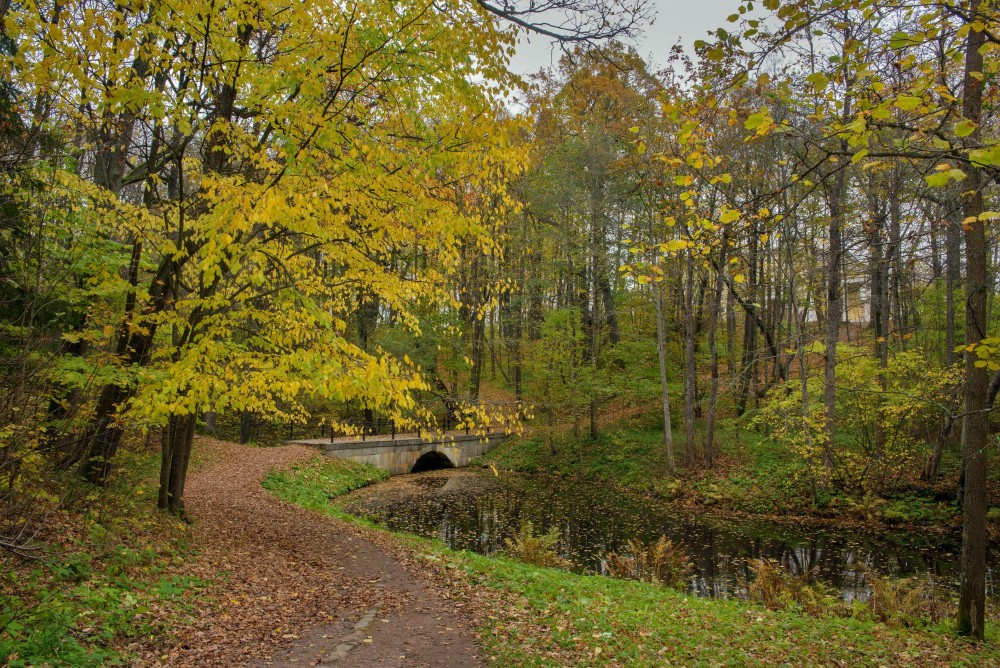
(906, 602)
(777, 589)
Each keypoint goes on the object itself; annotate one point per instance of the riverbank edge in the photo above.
(691, 504)
(689, 494)
(546, 617)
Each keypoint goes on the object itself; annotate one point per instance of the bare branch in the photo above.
(576, 21)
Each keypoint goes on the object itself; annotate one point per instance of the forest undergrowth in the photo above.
(752, 475)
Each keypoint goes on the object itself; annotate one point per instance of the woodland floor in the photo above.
(296, 588)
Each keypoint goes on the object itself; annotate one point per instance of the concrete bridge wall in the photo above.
(398, 456)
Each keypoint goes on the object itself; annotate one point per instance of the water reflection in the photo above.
(479, 511)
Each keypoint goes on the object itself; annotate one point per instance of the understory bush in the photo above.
(663, 562)
(777, 589)
(886, 419)
(907, 601)
(75, 609)
(902, 602)
(536, 549)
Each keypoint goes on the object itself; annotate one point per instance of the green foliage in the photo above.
(628, 455)
(761, 475)
(884, 422)
(914, 509)
(536, 549)
(931, 309)
(116, 573)
(76, 610)
(556, 371)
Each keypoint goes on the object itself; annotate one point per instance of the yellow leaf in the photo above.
(964, 128)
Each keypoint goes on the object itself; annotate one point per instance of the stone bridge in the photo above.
(409, 453)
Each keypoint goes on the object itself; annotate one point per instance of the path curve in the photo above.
(300, 588)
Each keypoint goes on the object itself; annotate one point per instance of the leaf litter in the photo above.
(288, 584)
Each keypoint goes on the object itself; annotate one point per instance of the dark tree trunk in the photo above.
(833, 313)
(210, 418)
(975, 426)
(690, 373)
(246, 427)
(178, 436)
(952, 278)
(661, 353)
(610, 311)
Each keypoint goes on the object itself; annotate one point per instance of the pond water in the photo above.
(478, 511)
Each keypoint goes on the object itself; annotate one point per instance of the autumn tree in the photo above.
(247, 168)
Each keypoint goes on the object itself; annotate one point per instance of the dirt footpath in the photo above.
(301, 589)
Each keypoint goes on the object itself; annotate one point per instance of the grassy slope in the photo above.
(547, 617)
(111, 576)
(753, 475)
(312, 485)
(558, 618)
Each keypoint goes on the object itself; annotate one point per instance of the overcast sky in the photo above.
(684, 20)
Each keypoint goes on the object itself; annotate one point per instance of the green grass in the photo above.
(111, 575)
(548, 617)
(554, 618)
(78, 609)
(312, 484)
(630, 456)
(758, 477)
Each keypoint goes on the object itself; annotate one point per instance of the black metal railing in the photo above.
(437, 413)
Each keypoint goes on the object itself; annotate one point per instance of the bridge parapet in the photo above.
(399, 454)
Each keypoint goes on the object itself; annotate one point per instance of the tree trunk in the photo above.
(690, 370)
(177, 438)
(952, 279)
(210, 418)
(713, 350)
(800, 351)
(246, 427)
(975, 422)
(661, 350)
(833, 314)
(748, 358)
(884, 253)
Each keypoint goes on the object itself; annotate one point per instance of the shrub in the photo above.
(884, 419)
(777, 589)
(663, 563)
(906, 602)
(537, 550)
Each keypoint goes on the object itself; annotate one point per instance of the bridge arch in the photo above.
(432, 460)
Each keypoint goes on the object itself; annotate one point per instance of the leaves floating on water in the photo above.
(480, 512)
